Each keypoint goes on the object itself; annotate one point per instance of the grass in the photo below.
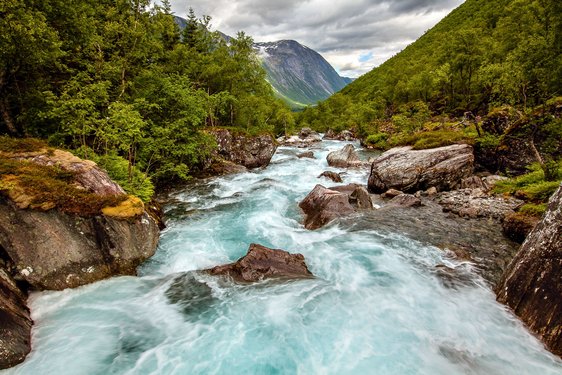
(46, 187)
(532, 187)
(17, 145)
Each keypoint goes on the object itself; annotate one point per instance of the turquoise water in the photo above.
(377, 305)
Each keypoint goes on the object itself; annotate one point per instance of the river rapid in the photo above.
(376, 306)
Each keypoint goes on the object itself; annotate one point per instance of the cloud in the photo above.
(353, 35)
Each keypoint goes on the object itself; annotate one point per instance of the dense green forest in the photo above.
(118, 82)
(485, 54)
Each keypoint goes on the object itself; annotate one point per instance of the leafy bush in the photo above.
(377, 140)
(432, 139)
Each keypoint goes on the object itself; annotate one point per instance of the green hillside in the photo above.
(483, 55)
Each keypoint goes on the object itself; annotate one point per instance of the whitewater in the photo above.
(376, 305)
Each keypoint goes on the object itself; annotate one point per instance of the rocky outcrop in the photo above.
(15, 323)
(323, 205)
(473, 203)
(409, 170)
(532, 284)
(55, 250)
(249, 151)
(344, 158)
(262, 263)
(336, 177)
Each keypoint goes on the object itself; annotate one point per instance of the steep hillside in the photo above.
(297, 73)
(483, 54)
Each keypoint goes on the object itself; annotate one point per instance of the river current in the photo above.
(376, 305)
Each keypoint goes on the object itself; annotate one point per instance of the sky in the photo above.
(353, 35)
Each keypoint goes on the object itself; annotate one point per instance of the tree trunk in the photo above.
(7, 117)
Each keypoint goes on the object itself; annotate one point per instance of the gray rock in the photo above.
(473, 182)
(410, 170)
(344, 158)
(472, 203)
(262, 263)
(532, 284)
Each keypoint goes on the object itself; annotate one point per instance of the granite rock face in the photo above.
(410, 170)
(262, 263)
(249, 151)
(532, 284)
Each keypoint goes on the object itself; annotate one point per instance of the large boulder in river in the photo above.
(15, 323)
(246, 150)
(72, 229)
(323, 205)
(409, 170)
(532, 284)
(344, 158)
(264, 263)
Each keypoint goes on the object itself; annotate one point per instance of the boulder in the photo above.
(532, 283)
(344, 135)
(249, 151)
(473, 182)
(336, 177)
(262, 263)
(308, 154)
(344, 158)
(15, 323)
(323, 205)
(220, 167)
(409, 170)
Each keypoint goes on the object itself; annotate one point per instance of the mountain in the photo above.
(298, 74)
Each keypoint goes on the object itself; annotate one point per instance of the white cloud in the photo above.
(341, 30)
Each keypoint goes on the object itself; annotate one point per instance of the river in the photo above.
(376, 305)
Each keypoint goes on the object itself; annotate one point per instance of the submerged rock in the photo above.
(15, 323)
(192, 295)
(336, 177)
(532, 284)
(344, 158)
(264, 263)
(405, 200)
(308, 154)
(410, 170)
(249, 151)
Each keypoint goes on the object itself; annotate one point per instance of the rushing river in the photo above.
(375, 307)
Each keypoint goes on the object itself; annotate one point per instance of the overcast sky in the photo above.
(353, 35)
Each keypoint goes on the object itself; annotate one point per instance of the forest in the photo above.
(119, 83)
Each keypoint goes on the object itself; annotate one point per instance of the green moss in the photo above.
(432, 139)
(45, 187)
(534, 209)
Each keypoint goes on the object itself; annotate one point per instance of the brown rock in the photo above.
(323, 205)
(473, 182)
(264, 263)
(532, 284)
(432, 191)
(344, 158)
(15, 323)
(410, 170)
(336, 177)
(308, 154)
(361, 198)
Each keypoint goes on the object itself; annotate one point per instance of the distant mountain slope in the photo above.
(298, 74)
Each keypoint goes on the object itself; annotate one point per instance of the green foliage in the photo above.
(533, 209)
(531, 186)
(432, 139)
(119, 79)
(377, 140)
